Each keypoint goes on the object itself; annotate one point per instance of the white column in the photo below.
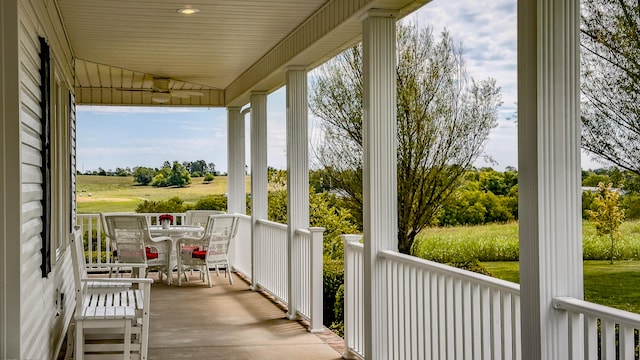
(10, 191)
(259, 179)
(297, 173)
(549, 171)
(236, 183)
(380, 214)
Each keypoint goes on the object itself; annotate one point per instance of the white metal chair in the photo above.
(135, 244)
(210, 250)
(200, 217)
(111, 316)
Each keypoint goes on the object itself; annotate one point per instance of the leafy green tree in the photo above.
(179, 175)
(593, 179)
(160, 180)
(143, 175)
(444, 119)
(608, 216)
(610, 86)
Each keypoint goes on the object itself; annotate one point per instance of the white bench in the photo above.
(112, 314)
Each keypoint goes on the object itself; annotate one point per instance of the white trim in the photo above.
(10, 175)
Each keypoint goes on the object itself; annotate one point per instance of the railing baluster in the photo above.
(608, 336)
(627, 345)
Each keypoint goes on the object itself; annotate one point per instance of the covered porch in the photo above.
(232, 54)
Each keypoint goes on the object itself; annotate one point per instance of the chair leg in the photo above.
(227, 271)
(206, 269)
(78, 353)
(127, 339)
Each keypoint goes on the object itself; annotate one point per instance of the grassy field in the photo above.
(119, 193)
(616, 285)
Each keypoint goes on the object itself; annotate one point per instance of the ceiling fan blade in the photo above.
(184, 94)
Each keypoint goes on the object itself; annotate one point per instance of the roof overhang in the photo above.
(213, 58)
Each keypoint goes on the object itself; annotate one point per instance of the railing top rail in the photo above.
(351, 244)
(271, 224)
(303, 232)
(489, 281)
(584, 307)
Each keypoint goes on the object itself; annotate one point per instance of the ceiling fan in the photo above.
(161, 94)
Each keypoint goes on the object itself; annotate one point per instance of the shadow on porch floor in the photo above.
(226, 322)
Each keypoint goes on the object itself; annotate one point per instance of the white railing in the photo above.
(307, 276)
(606, 333)
(270, 267)
(98, 248)
(240, 252)
(353, 297)
(271, 259)
(435, 311)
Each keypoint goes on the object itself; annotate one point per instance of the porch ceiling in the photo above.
(226, 50)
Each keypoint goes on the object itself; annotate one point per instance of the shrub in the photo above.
(333, 278)
(174, 204)
(213, 202)
(208, 178)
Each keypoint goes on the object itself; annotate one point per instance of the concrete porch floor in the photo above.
(227, 322)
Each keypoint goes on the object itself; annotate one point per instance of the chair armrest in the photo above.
(120, 280)
(160, 238)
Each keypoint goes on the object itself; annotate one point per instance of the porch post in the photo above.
(11, 179)
(549, 171)
(236, 188)
(259, 179)
(379, 170)
(297, 174)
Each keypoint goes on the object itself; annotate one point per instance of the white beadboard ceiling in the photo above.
(226, 50)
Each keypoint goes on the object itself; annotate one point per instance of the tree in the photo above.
(143, 175)
(444, 118)
(610, 87)
(608, 216)
(179, 175)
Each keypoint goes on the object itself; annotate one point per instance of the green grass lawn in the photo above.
(119, 193)
(616, 285)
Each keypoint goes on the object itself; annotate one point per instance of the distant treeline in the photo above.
(487, 195)
(195, 168)
(170, 174)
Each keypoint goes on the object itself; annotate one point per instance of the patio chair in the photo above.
(200, 217)
(111, 318)
(135, 244)
(112, 241)
(209, 250)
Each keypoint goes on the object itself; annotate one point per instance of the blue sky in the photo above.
(111, 137)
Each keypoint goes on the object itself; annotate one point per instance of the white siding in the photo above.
(43, 321)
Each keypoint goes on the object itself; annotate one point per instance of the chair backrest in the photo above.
(200, 217)
(220, 231)
(129, 232)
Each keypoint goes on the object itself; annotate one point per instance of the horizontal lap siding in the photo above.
(43, 325)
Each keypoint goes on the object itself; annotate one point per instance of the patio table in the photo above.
(175, 232)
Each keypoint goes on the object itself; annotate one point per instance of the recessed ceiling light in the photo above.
(188, 10)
